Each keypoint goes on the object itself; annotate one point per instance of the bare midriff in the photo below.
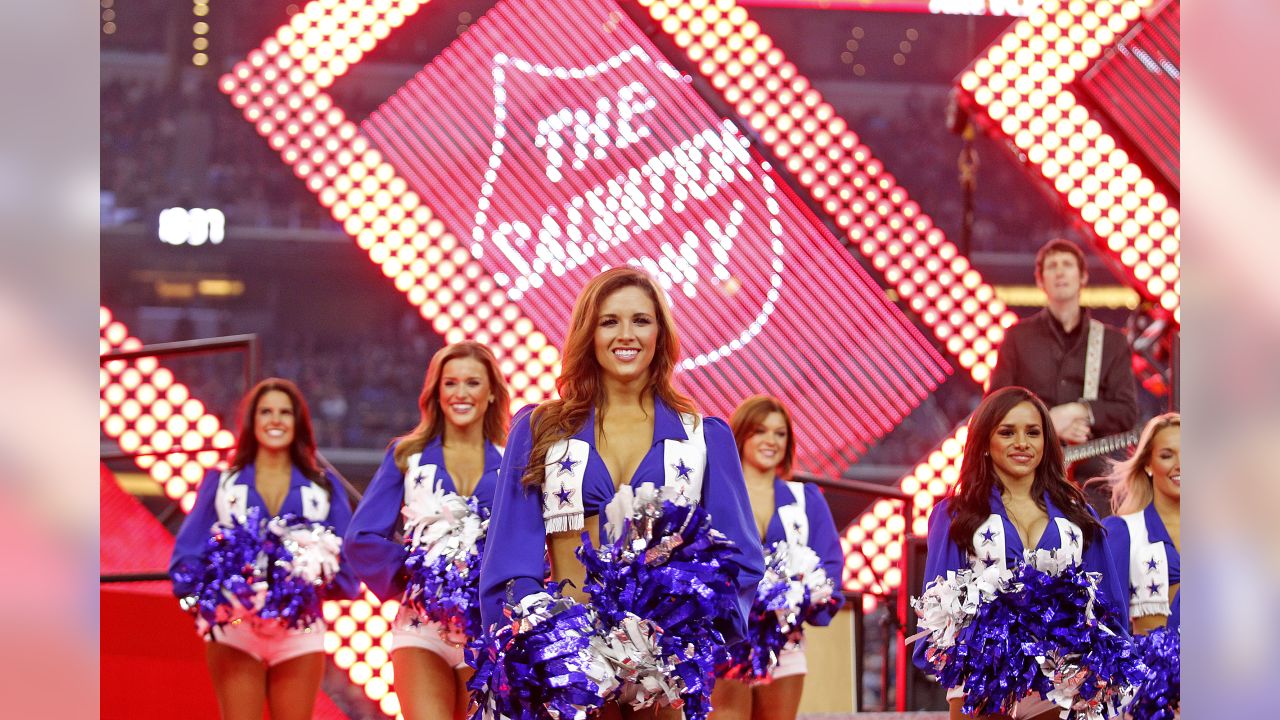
(565, 564)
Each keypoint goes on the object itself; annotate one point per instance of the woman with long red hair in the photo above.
(273, 472)
(619, 421)
(785, 511)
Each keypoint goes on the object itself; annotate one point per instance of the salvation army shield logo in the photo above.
(554, 160)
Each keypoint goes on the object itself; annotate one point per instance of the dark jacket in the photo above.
(1039, 356)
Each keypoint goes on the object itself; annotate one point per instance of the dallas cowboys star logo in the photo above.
(1152, 565)
(417, 480)
(415, 623)
(988, 536)
(797, 527)
(567, 464)
(1075, 536)
(564, 494)
(988, 561)
(315, 503)
(1154, 587)
(682, 470)
(1133, 590)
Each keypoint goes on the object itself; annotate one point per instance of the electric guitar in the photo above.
(1101, 446)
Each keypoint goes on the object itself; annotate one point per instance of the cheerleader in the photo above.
(254, 661)
(787, 511)
(1144, 531)
(619, 421)
(455, 448)
(1012, 495)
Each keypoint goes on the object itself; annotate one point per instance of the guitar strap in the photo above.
(1093, 361)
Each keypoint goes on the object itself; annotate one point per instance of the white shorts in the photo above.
(1027, 707)
(791, 661)
(411, 630)
(269, 641)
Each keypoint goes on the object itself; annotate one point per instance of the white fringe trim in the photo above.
(562, 523)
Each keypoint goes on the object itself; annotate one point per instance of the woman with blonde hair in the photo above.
(619, 421)
(1144, 530)
(455, 448)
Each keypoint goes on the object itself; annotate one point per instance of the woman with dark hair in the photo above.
(1144, 531)
(455, 448)
(1013, 496)
(619, 421)
(785, 511)
(256, 661)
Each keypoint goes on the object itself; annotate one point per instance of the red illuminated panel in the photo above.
(938, 7)
(1021, 88)
(147, 411)
(824, 155)
(1137, 86)
(556, 160)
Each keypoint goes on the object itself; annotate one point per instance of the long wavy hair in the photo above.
(971, 497)
(302, 451)
(431, 425)
(1130, 485)
(581, 381)
(748, 416)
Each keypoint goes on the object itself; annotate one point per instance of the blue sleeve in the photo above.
(1109, 555)
(345, 585)
(516, 544)
(369, 542)
(942, 555)
(825, 541)
(188, 546)
(724, 495)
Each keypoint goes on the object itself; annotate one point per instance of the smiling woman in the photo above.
(787, 513)
(1013, 496)
(619, 422)
(454, 451)
(274, 474)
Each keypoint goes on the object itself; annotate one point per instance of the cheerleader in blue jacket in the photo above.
(619, 420)
(1144, 531)
(788, 511)
(456, 448)
(1013, 494)
(256, 662)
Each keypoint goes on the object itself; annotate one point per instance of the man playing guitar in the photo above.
(1051, 354)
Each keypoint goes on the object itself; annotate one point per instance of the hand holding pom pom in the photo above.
(305, 557)
(793, 590)
(999, 635)
(1160, 695)
(231, 580)
(658, 583)
(445, 535)
(541, 664)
